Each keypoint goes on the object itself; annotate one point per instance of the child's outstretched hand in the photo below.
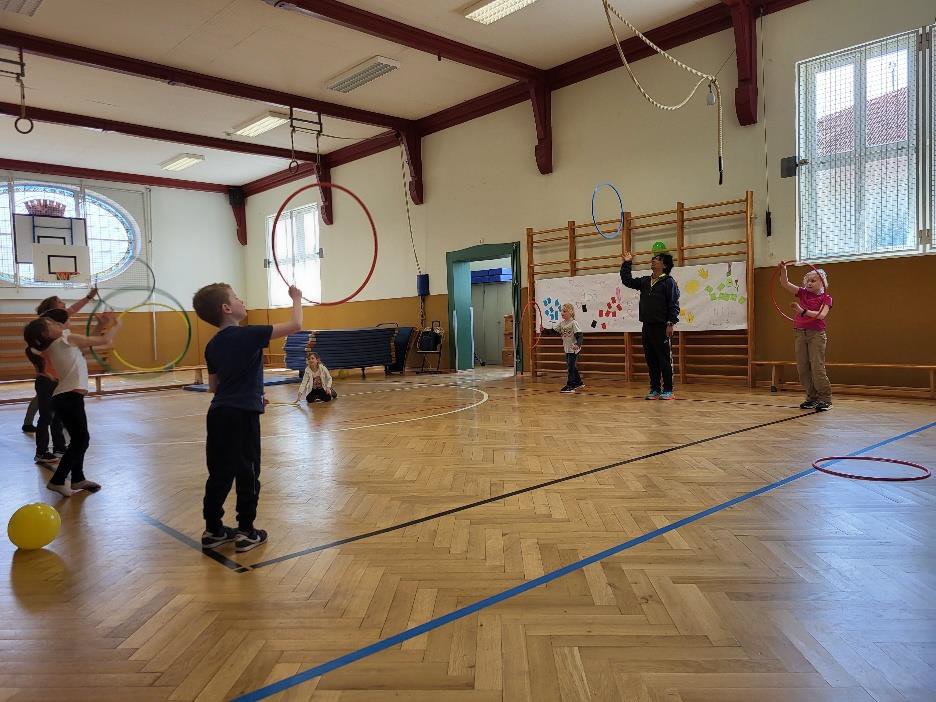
(295, 294)
(576, 349)
(797, 309)
(628, 256)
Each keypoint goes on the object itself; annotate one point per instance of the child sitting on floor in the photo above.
(316, 381)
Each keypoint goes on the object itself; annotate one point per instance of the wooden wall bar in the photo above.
(713, 232)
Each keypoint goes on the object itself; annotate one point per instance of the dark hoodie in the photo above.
(659, 303)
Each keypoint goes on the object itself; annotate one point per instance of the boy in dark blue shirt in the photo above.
(234, 357)
(659, 311)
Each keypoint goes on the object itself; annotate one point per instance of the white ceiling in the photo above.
(252, 42)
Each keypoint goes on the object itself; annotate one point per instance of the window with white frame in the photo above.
(297, 252)
(864, 189)
(114, 236)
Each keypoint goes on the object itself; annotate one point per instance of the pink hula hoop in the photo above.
(925, 472)
(279, 213)
(539, 315)
(773, 286)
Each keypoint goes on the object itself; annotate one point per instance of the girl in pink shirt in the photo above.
(812, 306)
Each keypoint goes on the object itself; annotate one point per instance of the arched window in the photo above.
(113, 235)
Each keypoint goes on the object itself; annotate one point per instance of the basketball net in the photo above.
(64, 275)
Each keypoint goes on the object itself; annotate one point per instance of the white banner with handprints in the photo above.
(711, 297)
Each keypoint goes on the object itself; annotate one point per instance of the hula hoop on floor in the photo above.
(279, 213)
(773, 285)
(179, 309)
(539, 314)
(925, 472)
(620, 228)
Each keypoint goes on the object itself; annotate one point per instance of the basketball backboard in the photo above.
(57, 262)
(39, 229)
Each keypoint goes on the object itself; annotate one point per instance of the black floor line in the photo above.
(530, 488)
(189, 541)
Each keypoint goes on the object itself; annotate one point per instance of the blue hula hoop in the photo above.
(620, 228)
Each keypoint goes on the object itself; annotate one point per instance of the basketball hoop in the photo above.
(65, 275)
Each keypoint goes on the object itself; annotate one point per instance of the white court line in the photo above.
(276, 404)
(483, 399)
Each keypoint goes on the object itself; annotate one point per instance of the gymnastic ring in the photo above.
(293, 166)
(773, 285)
(539, 314)
(279, 213)
(179, 308)
(16, 125)
(923, 476)
(620, 228)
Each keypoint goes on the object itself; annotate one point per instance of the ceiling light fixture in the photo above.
(182, 161)
(489, 11)
(362, 74)
(20, 7)
(260, 124)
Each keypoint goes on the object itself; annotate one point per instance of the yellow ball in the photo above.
(34, 526)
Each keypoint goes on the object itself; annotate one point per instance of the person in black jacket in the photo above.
(659, 311)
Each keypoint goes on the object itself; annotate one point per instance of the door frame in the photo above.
(484, 252)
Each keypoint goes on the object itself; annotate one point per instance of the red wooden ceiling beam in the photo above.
(419, 39)
(53, 169)
(178, 76)
(138, 130)
(711, 20)
(743, 20)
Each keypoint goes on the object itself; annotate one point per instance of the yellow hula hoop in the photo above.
(165, 366)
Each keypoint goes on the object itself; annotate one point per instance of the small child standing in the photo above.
(46, 380)
(659, 311)
(47, 305)
(234, 358)
(64, 350)
(812, 306)
(572, 338)
(316, 381)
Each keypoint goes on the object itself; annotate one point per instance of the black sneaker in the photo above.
(209, 540)
(29, 428)
(580, 386)
(47, 460)
(808, 404)
(567, 388)
(248, 540)
(823, 406)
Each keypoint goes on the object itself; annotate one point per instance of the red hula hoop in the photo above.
(773, 286)
(923, 476)
(370, 219)
(539, 314)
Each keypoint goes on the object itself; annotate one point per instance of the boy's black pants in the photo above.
(69, 408)
(232, 451)
(659, 356)
(49, 422)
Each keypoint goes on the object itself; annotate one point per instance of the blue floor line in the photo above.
(419, 630)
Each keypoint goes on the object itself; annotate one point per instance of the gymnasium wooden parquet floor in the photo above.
(387, 526)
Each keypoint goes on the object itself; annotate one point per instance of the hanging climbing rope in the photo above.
(712, 79)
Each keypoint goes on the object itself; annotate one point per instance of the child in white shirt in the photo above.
(316, 381)
(572, 337)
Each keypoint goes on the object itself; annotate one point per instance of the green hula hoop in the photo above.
(188, 326)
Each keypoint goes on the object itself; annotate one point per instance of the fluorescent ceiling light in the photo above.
(489, 11)
(362, 74)
(260, 124)
(177, 163)
(20, 7)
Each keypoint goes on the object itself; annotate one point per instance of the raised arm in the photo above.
(75, 307)
(104, 339)
(785, 281)
(626, 278)
(295, 323)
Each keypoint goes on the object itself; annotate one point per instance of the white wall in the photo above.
(481, 182)
(194, 242)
